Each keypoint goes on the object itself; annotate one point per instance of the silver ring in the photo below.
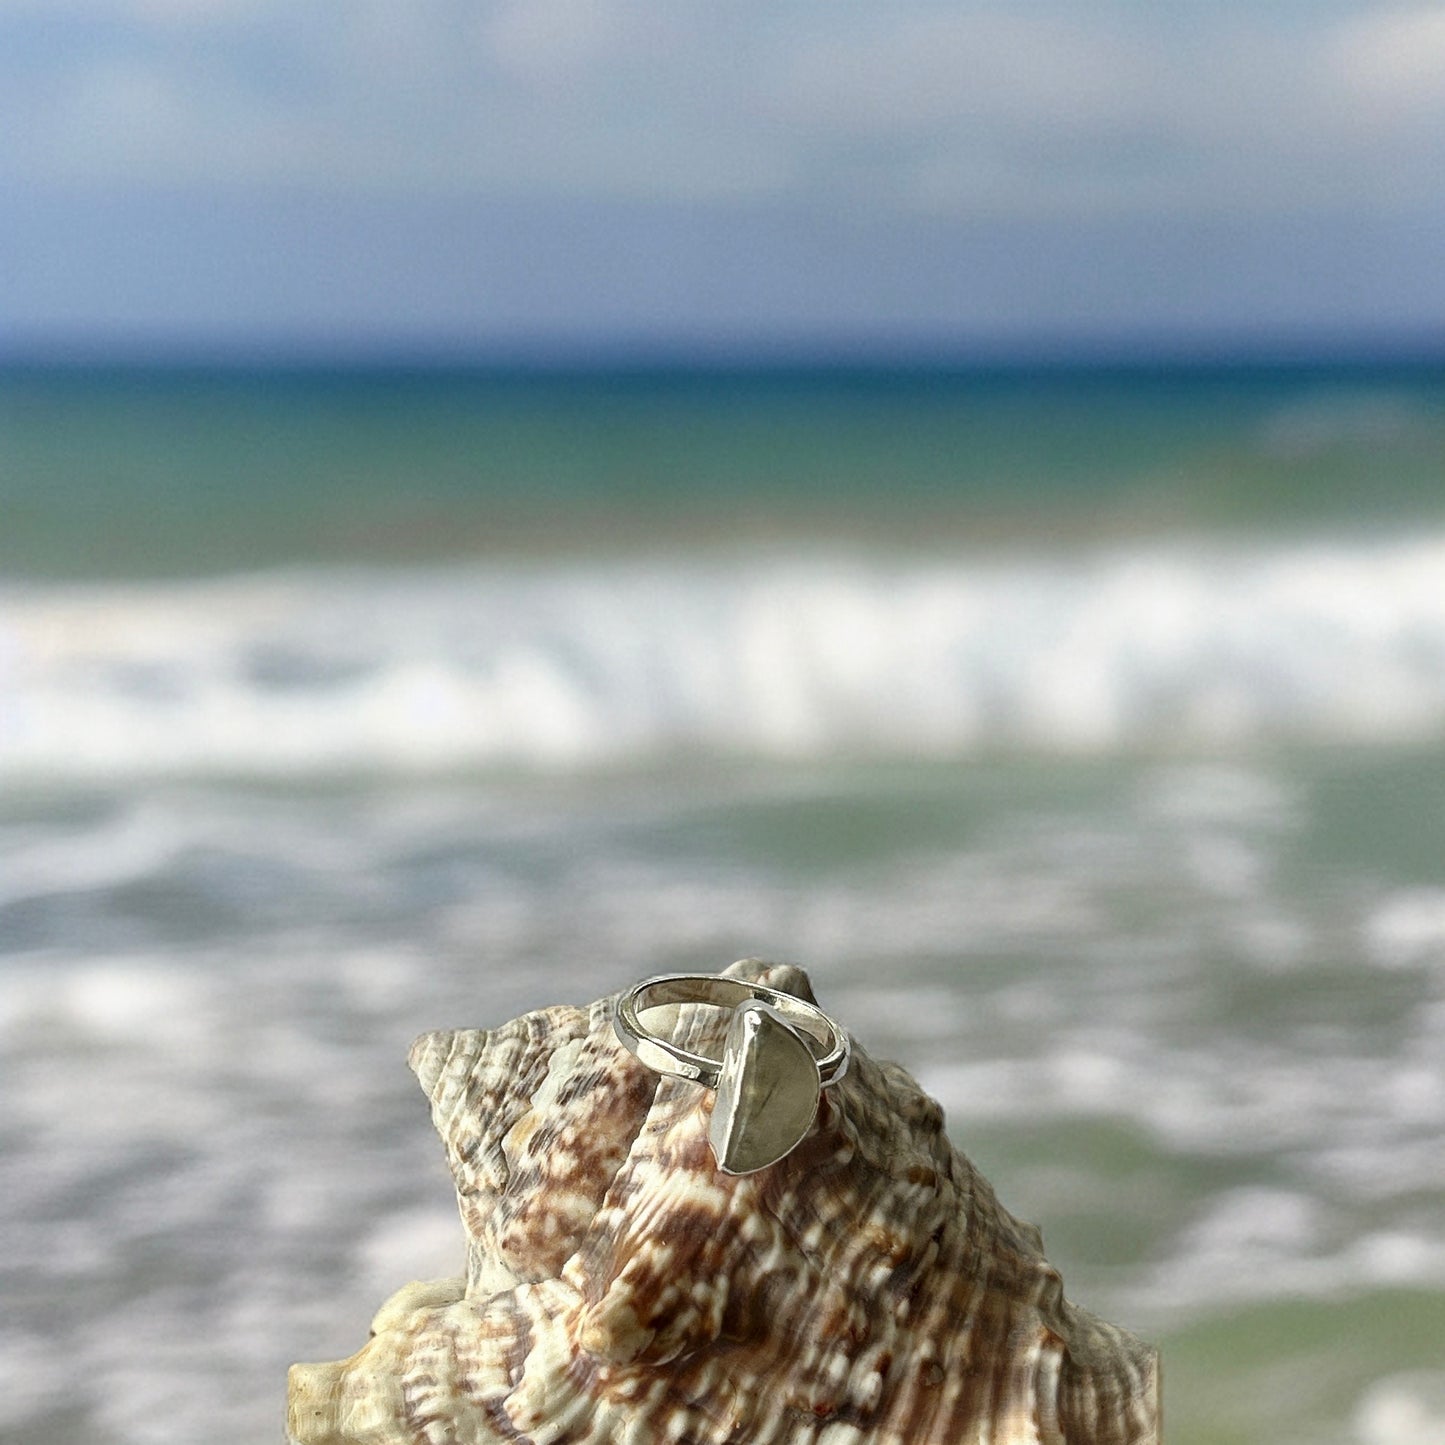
(780, 1053)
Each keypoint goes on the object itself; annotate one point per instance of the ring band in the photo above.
(779, 1055)
(827, 1041)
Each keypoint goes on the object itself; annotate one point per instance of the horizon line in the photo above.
(659, 353)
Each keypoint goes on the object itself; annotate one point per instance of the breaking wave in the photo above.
(564, 665)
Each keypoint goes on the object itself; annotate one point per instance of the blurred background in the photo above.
(499, 499)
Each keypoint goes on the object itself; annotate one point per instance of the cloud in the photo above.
(882, 71)
(551, 38)
(965, 108)
(1393, 61)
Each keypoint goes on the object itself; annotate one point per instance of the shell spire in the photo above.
(868, 1289)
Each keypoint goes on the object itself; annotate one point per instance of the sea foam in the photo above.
(559, 666)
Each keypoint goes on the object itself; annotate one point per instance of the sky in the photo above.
(508, 176)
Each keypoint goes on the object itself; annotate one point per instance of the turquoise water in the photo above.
(1083, 734)
(169, 473)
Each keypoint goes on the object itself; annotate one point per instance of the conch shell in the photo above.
(868, 1289)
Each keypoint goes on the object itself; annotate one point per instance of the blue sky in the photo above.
(340, 175)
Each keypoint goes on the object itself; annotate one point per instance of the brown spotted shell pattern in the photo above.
(868, 1289)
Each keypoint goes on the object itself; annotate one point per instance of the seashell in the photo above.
(868, 1289)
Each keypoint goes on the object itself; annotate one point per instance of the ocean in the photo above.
(1081, 730)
